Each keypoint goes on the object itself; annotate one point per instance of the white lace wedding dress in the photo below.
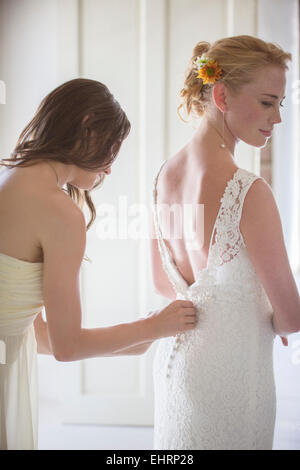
(214, 385)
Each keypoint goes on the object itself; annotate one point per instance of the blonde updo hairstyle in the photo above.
(240, 58)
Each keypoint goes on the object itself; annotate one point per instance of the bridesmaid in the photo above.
(71, 142)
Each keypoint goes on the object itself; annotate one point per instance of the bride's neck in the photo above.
(208, 138)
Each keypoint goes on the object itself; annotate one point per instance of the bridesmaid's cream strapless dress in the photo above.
(21, 300)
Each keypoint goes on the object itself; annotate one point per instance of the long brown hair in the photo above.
(80, 114)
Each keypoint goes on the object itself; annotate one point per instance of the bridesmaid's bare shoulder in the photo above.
(29, 183)
(31, 206)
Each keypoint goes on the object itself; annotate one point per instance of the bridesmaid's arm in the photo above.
(41, 335)
(44, 347)
(133, 351)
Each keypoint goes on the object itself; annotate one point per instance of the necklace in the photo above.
(223, 145)
(54, 172)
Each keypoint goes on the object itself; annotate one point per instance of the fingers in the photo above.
(186, 314)
(190, 319)
(190, 316)
(189, 311)
(189, 326)
(184, 303)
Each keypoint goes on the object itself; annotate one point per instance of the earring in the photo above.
(223, 146)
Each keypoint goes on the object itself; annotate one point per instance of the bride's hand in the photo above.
(284, 341)
(179, 316)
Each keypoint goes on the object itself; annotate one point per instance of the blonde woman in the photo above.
(62, 154)
(214, 386)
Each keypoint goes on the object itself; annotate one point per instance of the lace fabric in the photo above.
(214, 386)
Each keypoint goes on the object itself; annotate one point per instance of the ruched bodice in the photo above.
(214, 385)
(21, 300)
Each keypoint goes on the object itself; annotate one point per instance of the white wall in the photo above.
(28, 55)
(281, 25)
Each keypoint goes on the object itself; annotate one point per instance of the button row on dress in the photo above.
(172, 355)
(202, 298)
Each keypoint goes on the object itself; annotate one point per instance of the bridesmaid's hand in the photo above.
(177, 317)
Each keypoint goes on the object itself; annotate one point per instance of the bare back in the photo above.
(26, 205)
(183, 180)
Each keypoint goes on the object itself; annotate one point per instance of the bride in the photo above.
(214, 386)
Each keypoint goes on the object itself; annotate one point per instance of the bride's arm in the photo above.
(262, 231)
(160, 279)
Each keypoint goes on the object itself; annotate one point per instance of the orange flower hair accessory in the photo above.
(208, 70)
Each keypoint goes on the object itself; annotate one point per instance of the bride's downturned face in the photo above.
(256, 107)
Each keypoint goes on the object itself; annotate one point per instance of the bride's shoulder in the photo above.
(173, 168)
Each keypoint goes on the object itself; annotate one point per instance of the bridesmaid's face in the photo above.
(256, 107)
(85, 179)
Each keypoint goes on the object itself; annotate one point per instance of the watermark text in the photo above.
(133, 221)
